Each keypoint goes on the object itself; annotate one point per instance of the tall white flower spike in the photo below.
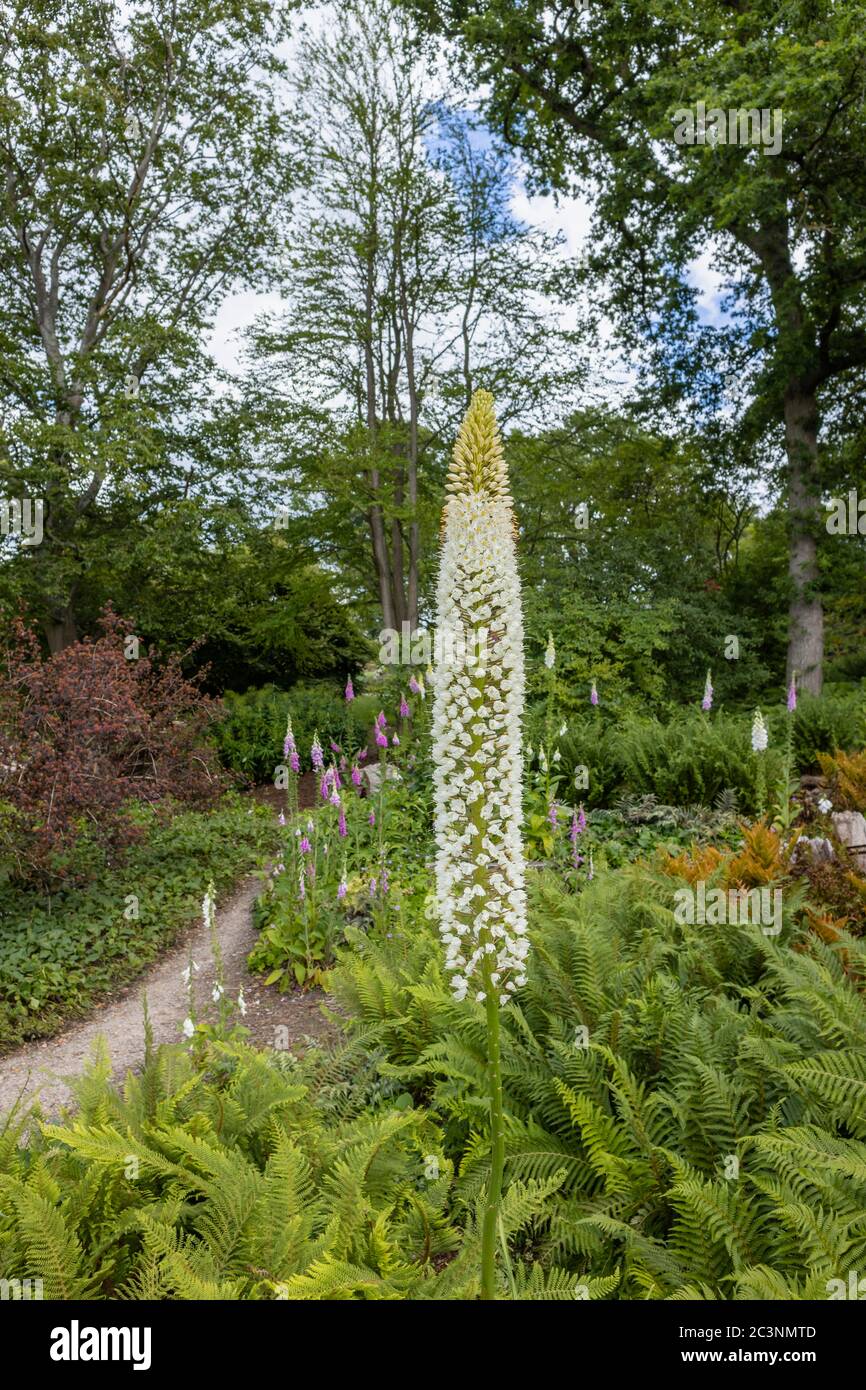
(759, 733)
(477, 711)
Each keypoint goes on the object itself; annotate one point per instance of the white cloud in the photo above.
(709, 284)
(236, 313)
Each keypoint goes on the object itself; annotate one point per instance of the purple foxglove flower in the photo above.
(341, 824)
(294, 762)
(792, 694)
(289, 740)
(316, 757)
(334, 798)
(372, 818)
(381, 740)
(404, 708)
(394, 741)
(305, 845)
(593, 695)
(552, 814)
(350, 691)
(342, 889)
(362, 755)
(414, 686)
(356, 776)
(707, 701)
(335, 747)
(384, 880)
(577, 827)
(372, 887)
(381, 721)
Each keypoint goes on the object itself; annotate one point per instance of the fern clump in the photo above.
(673, 1084)
(226, 1181)
(684, 1118)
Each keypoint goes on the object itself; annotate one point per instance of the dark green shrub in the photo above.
(825, 724)
(250, 737)
(594, 745)
(688, 761)
(692, 758)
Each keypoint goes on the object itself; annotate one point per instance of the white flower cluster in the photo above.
(208, 908)
(477, 714)
(759, 733)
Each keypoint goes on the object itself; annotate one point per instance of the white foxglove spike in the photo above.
(477, 713)
(759, 733)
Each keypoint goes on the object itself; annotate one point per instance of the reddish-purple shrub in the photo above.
(83, 733)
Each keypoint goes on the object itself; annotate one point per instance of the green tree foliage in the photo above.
(142, 155)
(593, 95)
(635, 552)
(407, 282)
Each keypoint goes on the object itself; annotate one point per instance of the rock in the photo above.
(373, 776)
(817, 850)
(850, 827)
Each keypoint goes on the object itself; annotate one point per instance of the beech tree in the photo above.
(142, 151)
(408, 282)
(592, 94)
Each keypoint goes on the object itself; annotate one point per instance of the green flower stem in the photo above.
(379, 908)
(551, 711)
(480, 694)
(760, 785)
(497, 1145)
(785, 799)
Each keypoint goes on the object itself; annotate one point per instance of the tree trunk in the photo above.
(375, 518)
(805, 613)
(399, 592)
(60, 629)
(797, 343)
(412, 592)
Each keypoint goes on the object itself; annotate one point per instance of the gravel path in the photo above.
(39, 1067)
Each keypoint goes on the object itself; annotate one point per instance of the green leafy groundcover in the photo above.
(58, 955)
(686, 1119)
